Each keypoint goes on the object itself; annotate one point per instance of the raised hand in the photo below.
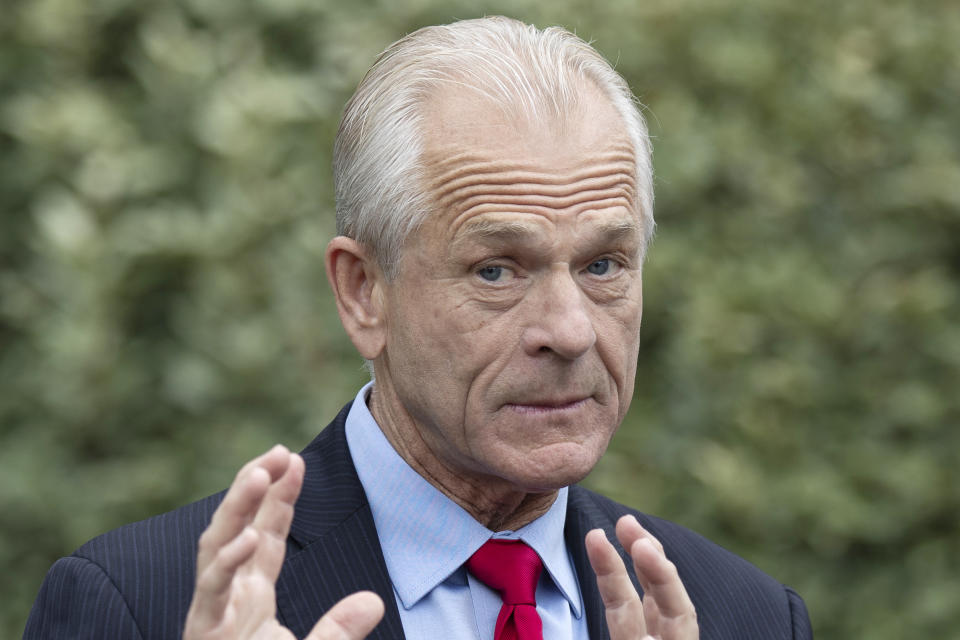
(665, 612)
(240, 555)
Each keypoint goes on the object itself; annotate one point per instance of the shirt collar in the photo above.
(425, 536)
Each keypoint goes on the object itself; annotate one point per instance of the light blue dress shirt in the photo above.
(426, 539)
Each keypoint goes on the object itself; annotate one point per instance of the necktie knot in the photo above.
(510, 567)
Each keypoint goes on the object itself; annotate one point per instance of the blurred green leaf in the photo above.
(166, 199)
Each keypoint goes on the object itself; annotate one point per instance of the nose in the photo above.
(559, 319)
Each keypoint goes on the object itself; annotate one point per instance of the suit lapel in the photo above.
(333, 549)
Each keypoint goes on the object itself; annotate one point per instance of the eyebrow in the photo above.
(618, 229)
(512, 231)
(497, 230)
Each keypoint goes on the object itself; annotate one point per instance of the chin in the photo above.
(552, 472)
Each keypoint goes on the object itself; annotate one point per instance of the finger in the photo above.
(350, 619)
(276, 512)
(660, 579)
(629, 530)
(212, 593)
(624, 609)
(241, 503)
(274, 517)
(667, 605)
(651, 613)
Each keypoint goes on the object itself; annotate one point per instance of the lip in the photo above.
(548, 406)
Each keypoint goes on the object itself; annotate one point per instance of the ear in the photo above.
(357, 281)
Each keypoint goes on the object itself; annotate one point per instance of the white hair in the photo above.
(531, 73)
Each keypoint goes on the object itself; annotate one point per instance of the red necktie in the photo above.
(512, 568)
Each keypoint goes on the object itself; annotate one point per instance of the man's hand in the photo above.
(240, 555)
(665, 612)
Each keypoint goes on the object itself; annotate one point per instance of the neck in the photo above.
(493, 502)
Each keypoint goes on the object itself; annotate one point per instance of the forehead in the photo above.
(482, 161)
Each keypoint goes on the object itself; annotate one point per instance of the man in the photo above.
(494, 204)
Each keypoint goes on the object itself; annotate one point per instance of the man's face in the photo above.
(512, 327)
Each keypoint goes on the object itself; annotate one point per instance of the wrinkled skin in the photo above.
(507, 351)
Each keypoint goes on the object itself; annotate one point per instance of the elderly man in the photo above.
(494, 205)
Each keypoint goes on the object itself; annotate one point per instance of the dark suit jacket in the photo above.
(137, 581)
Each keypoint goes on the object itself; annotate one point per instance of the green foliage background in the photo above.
(165, 198)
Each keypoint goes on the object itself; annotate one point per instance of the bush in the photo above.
(164, 315)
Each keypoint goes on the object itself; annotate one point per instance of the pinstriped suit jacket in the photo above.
(136, 582)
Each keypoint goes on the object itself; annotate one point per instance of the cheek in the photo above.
(618, 341)
(436, 343)
(442, 317)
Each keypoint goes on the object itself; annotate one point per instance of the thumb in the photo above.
(350, 619)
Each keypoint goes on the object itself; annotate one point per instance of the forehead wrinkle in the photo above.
(464, 187)
(537, 205)
(450, 174)
(616, 183)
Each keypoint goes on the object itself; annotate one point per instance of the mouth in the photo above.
(547, 405)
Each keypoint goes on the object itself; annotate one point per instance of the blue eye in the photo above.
(599, 267)
(490, 274)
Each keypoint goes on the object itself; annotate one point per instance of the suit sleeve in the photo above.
(79, 601)
(799, 616)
